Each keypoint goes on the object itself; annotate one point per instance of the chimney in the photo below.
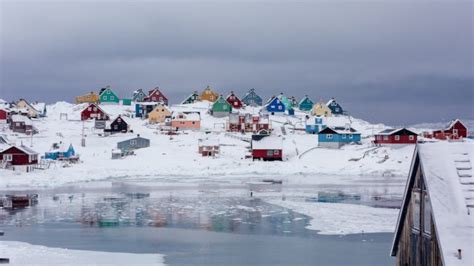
(459, 254)
(138, 135)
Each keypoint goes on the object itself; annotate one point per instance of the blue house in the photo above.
(252, 99)
(336, 137)
(335, 107)
(306, 104)
(142, 109)
(314, 126)
(60, 151)
(274, 106)
(138, 95)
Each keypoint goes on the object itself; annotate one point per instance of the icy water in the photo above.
(204, 226)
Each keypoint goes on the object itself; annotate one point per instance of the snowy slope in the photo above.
(177, 156)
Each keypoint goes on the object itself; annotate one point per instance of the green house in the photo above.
(126, 101)
(221, 108)
(194, 97)
(286, 102)
(108, 96)
(306, 104)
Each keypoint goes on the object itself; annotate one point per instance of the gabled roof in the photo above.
(453, 122)
(268, 143)
(331, 101)
(305, 98)
(448, 176)
(26, 150)
(103, 90)
(232, 94)
(391, 131)
(39, 106)
(60, 147)
(22, 118)
(135, 138)
(338, 130)
(187, 116)
(162, 106)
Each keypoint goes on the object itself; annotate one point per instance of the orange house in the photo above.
(208, 95)
(184, 121)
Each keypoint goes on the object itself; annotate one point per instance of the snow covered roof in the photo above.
(448, 175)
(453, 122)
(339, 130)
(4, 146)
(391, 131)
(268, 143)
(209, 142)
(193, 116)
(39, 106)
(330, 101)
(26, 150)
(22, 118)
(60, 147)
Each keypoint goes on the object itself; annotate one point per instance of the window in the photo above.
(224, 107)
(280, 107)
(329, 136)
(95, 109)
(416, 201)
(411, 137)
(337, 109)
(18, 124)
(89, 109)
(343, 136)
(272, 106)
(276, 152)
(161, 99)
(8, 157)
(270, 153)
(426, 214)
(385, 137)
(193, 122)
(455, 132)
(397, 137)
(112, 98)
(133, 142)
(104, 98)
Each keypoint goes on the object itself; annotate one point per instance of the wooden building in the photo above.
(22, 124)
(138, 95)
(159, 114)
(436, 222)
(192, 98)
(221, 108)
(321, 109)
(91, 97)
(19, 158)
(186, 120)
(248, 122)
(208, 95)
(3, 115)
(133, 144)
(305, 104)
(31, 111)
(156, 95)
(93, 111)
(209, 147)
(60, 151)
(336, 108)
(455, 130)
(251, 98)
(275, 106)
(267, 148)
(118, 125)
(335, 137)
(395, 136)
(108, 96)
(234, 101)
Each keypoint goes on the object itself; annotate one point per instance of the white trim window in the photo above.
(397, 137)
(411, 137)
(328, 136)
(343, 136)
(455, 132)
(350, 136)
(385, 137)
(8, 157)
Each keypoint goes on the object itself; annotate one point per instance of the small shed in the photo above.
(133, 144)
(251, 98)
(22, 124)
(60, 151)
(267, 148)
(209, 147)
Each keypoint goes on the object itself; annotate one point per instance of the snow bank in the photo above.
(340, 218)
(21, 253)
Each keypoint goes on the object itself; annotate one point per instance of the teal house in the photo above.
(286, 102)
(194, 97)
(60, 151)
(221, 107)
(315, 125)
(306, 104)
(251, 98)
(335, 137)
(106, 95)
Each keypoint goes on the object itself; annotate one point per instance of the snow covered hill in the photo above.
(177, 156)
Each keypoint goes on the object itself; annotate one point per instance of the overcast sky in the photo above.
(397, 62)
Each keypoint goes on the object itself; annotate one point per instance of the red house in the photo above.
(233, 100)
(267, 148)
(3, 115)
(156, 95)
(19, 158)
(93, 111)
(396, 136)
(455, 130)
(248, 123)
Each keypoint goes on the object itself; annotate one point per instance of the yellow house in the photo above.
(91, 97)
(159, 114)
(23, 104)
(321, 109)
(209, 95)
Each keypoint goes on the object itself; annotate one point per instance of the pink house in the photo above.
(183, 120)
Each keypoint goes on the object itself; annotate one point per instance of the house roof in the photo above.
(26, 150)
(135, 138)
(331, 101)
(192, 116)
(448, 175)
(60, 147)
(4, 146)
(39, 106)
(268, 143)
(22, 118)
(339, 130)
(391, 131)
(305, 98)
(453, 122)
(209, 142)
